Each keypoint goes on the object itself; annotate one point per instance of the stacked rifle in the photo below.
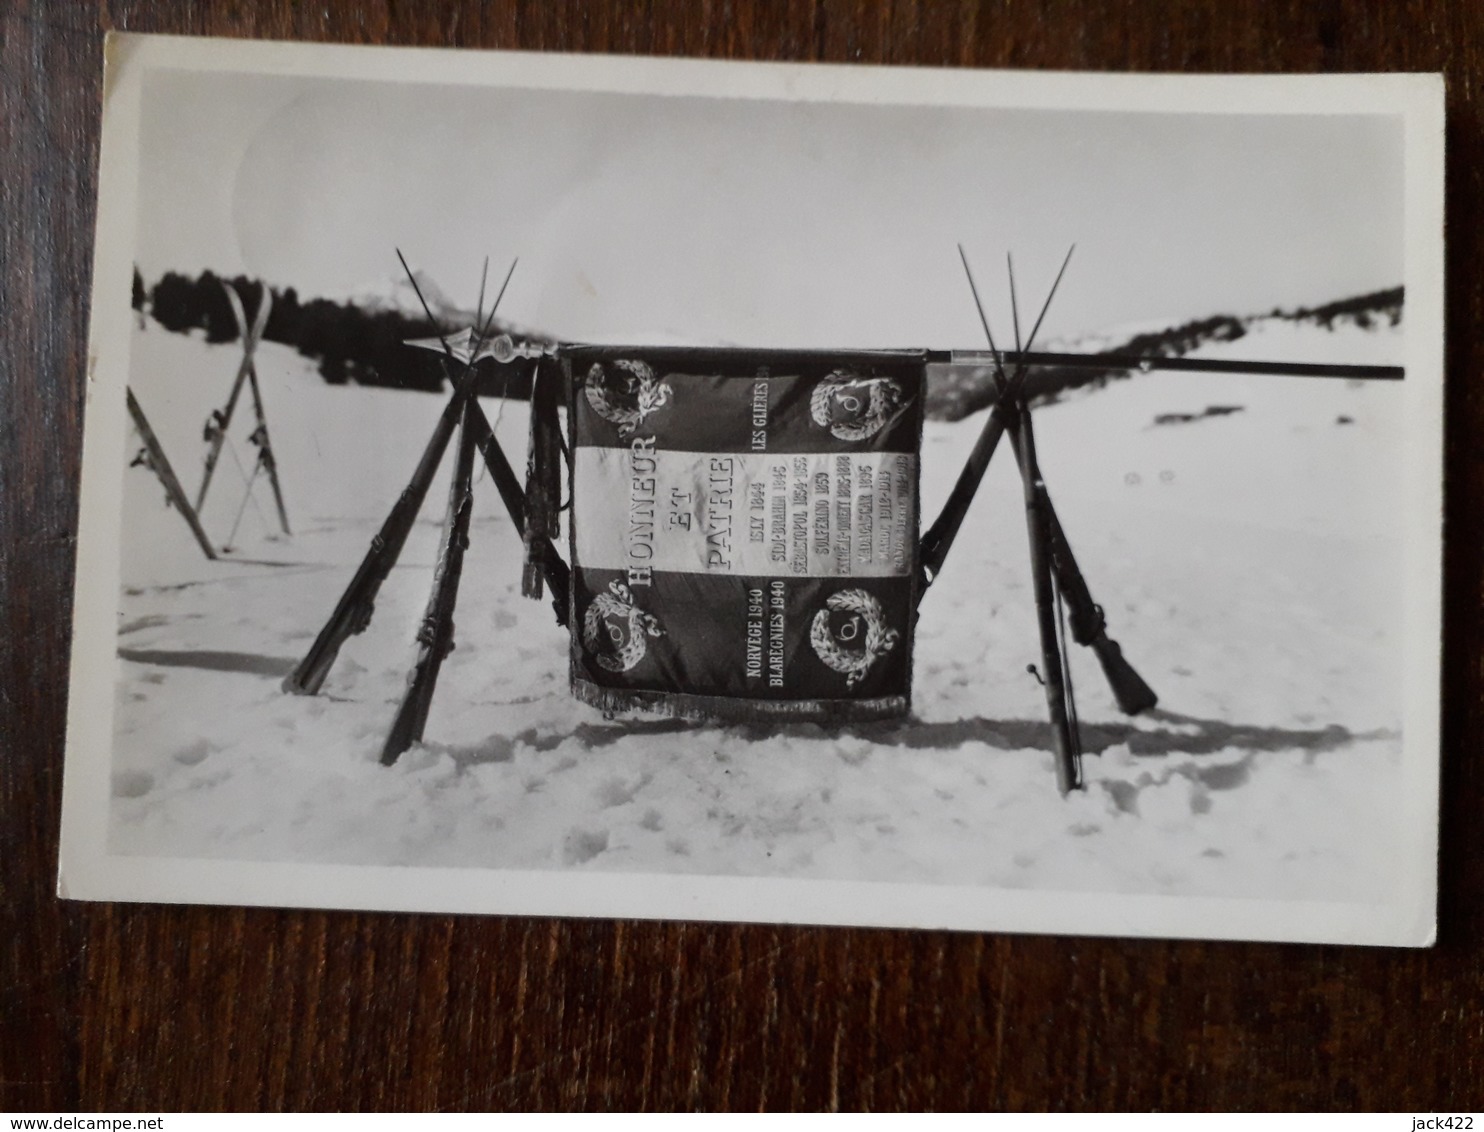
(1058, 582)
(357, 604)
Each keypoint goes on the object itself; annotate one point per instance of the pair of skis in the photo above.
(221, 420)
(152, 455)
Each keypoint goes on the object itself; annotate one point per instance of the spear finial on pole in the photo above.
(979, 306)
(1014, 306)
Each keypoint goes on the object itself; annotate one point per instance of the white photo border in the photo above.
(88, 871)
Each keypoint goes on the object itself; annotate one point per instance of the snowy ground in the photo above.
(1248, 561)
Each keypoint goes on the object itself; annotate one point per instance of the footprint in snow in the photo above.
(617, 792)
(583, 845)
(132, 783)
(614, 792)
(193, 753)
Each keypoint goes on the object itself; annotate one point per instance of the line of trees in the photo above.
(348, 343)
(1363, 310)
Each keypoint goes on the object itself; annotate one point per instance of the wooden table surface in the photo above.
(157, 1008)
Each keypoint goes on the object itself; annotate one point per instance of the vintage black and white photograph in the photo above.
(708, 490)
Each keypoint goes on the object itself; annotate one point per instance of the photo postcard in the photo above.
(585, 486)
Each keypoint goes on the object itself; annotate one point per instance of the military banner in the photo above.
(744, 530)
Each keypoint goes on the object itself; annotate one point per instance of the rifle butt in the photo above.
(1129, 689)
(352, 615)
(309, 675)
(412, 717)
(307, 678)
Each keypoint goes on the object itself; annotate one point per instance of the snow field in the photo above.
(1247, 563)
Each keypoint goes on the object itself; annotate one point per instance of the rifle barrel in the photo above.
(513, 496)
(435, 637)
(354, 609)
(1149, 362)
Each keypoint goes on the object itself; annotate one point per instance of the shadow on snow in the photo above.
(1185, 735)
(1181, 734)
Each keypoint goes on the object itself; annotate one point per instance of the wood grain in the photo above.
(157, 1008)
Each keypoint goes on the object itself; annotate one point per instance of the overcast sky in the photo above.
(763, 223)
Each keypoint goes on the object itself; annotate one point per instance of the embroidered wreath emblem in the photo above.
(863, 621)
(854, 407)
(628, 396)
(615, 630)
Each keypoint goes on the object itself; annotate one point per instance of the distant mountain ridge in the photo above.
(955, 392)
(361, 338)
(397, 294)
